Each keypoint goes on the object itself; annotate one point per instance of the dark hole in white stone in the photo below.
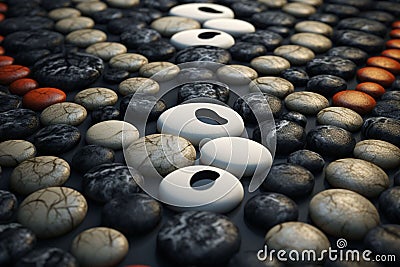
(208, 35)
(209, 10)
(203, 180)
(209, 116)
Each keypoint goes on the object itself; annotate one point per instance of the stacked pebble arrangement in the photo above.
(69, 69)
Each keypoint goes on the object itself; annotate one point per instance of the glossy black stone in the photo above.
(396, 85)
(382, 128)
(327, 18)
(205, 100)
(115, 75)
(107, 181)
(384, 240)
(396, 178)
(295, 117)
(106, 15)
(203, 53)
(367, 42)
(330, 141)
(214, 90)
(389, 204)
(336, 66)
(387, 108)
(354, 54)
(51, 4)
(297, 76)
(342, 11)
(133, 214)
(18, 124)
(26, 23)
(162, 5)
(289, 179)
(364, 25)
(28, 58)
(195, 74)
(134, 38)
(253, 106)
(157, 51)
(47, 257)
(249, 258)
(56, 139)
(140, 106)
(105, 114)
(245, 9)
(68, 71)
(381, 16)
(282, 31)
(15, 241)
(269, 209)
(310, 160)
(391, 95)
(32, 40)
(8, 102)
(118, 26)
(213, 239)
(91, 156)
(26, 9)
(388, 6)
(272, 18)
(144, 14)
(244, 51)
(356, 3)
(8, 206)
(326, 85)
(266, 38)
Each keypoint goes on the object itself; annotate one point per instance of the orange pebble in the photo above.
(11, 73)
(3, 7)
(2, 50)
(392, 53)
(395, 33)
(396, 24)
(394, 43)
(373, 89)
(358, 101)
(22, 86)
(6, 60)
(385, 63)
(376, 75)
(41, 98)
(2, 17)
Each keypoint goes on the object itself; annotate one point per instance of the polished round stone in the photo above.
(168, 26)
(71, 24)
(357, 175)
(90, 156)
(373, 89)
(9, 102)
(308, 103)
(266, 210)
(276, 86)
(387, 108)
(86, 246)
(25, 23)
(156, 51)
(391, 7)
(270, 65)
(354, 54)
(272, 18)
(106, 50)
(13, 152)
(385, 63)
(196, 37)
(11, 73)
(341, 117)
(326, 85)
(245, 51)
(203, 53)
(327, 18)
(18, 124)
(393, 43)
(343, 213)
(245, 9)
(31, 40)
(377, 75)
(384, 239)
(392, 53)
(295, 117)
(91, 7)
(360, 102)
(93, 98)
(201, 231)
(342, 11)
(164, 71)
(296, 76)
(281, 30)
(8, 205)
(289, 179)
(136, 37)
(192, 90)
(115, 75)
(49, 257)
(254, 104)
(300, 10)
(6, 60)
(381, 153)
(22, 86)
(202, 11)
(365, 41)
(330, 141)
(86, 37)
(63, 13)
(274, 4)
(234, 27)
(52, 211)
(106, 15)
(63, 113)
(308, 159)
(236, 74)
(295, 54)
(364, 25)
(138, 84)
(123, 3)
(133, 214)
(118, 26)
(331, 65)
(382, 128)
(389, 203)
(41, 98)
(266, 38)
(314, 27)
(316, 42)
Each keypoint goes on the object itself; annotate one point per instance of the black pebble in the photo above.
(105, 114)
(26, 23)
(388, 6)
(295, 117)
(133, 214)
(8, 102)
(342, 11)
(354, 54)
(115, 75)
(382, 128)
(157, 51)
(252, 107)
(245, 9)
(106, 15)
(282, 31)
(27, 9)
(269, 209)
(297, 76)
(195, 74)
(162, 5)
(272, 18)
(365, 41)
(326, 85)
(28, 58)
(269, 39)
(144, 14)
(32, 40)
(18, 124)
(214, 90)
(310, 160)
(356, 3)
(396, 85)
(396, 178)
(336, 66)
(364, 25)
(391, 95)
(380, 16)
(107, 181)
(203, 53)
(290, 137)
(327, 18)
(244, 51)
(137, 37)
(8, 205)
(91, 156)
(387, 108)
(140, 106)
(212, 238)
(56, 139)
(68, 71)
(47, 257)
(118, 26)
(384, 240)
(289, 179)
(51, 4)
(15, 241)
(389, 204)
(330, 141)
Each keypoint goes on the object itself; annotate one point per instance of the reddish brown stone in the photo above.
(41, 98)
(376, 75)
(373, 89)
(385, 63)
(11, 73)
(392, 53)
(395, 33)
(394, 43)
(2, 51)
(3, 8)
(396, 24)
(2, 17)
(22, 86)
(5, 60)
(1, 38)
(358, 101)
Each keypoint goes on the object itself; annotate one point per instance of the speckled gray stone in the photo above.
(308, 103)
(316, 42)
(52, 211)
(270, 65)
(341, 117)
(276, 86)
(38, 173)
(138, 84)
(343, 213)
(13, 152)
(381, 153)
(86, 37)
(106, 50)
(295, 54)
(93, 98)
(63, 113)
